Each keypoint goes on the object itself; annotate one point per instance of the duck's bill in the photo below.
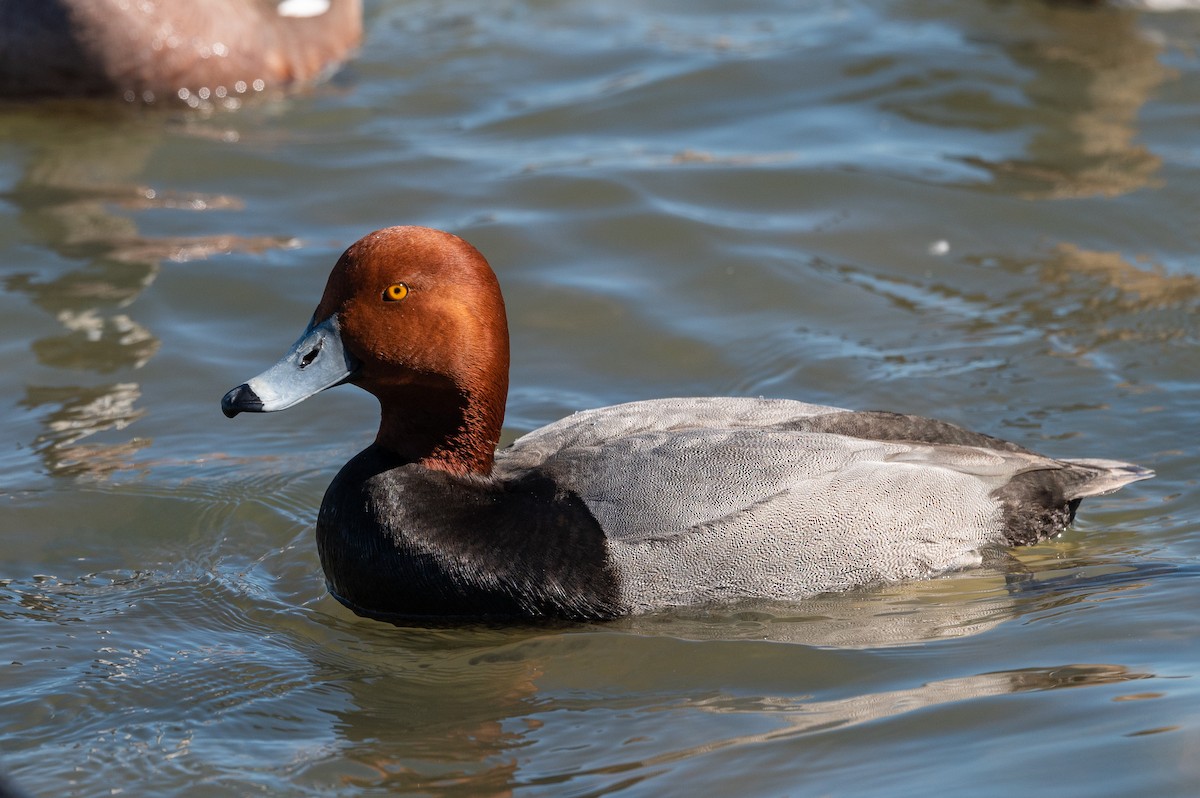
(317, 361)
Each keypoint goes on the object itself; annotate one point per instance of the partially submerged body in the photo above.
(629, 508)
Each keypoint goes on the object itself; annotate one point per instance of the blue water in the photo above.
(981, 211)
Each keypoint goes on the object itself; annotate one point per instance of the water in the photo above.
(981, 211)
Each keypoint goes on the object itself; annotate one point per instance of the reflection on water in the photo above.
(1090, 299)
(1133, 287)
(958, 605)
(903, 614)
(1085, 146)
(1090, 72)
(86, 302)
(1135, 302)
(472, 710)
(677, 665)
(77, 412)
(803, 716)
(75, 195)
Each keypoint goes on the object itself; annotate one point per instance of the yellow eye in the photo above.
(395, 292)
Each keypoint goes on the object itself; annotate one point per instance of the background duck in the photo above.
(151, 50)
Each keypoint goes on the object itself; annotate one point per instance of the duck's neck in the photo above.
(443, 428)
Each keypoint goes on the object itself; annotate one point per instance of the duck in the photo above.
(628, 509)
(148, 51)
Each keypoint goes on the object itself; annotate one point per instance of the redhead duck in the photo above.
(621, 509)
(148, 50)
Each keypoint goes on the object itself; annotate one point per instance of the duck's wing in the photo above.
(701, 515)
(598, 426)
(726, 433)
(661, 468)
(659, 485)
(765, 506)
(714, 499)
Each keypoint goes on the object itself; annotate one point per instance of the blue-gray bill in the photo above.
(318, 360)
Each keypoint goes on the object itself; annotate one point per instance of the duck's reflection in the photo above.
(77, 195)
(901, 614)
(799, 717)
(467, 718)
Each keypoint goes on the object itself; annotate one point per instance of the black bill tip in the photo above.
(241, 399)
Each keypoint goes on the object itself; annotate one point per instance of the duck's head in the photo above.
(415, 317)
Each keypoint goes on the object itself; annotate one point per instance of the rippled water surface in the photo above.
(985, 211)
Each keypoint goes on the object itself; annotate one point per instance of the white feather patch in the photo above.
(302, 8)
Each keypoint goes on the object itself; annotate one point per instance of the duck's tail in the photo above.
(1042, 501)
(1110, 475)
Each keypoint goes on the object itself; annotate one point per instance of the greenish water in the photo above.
(981, 211)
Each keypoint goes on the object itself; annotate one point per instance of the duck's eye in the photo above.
(395, 292)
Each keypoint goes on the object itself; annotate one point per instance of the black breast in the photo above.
(399, 539)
